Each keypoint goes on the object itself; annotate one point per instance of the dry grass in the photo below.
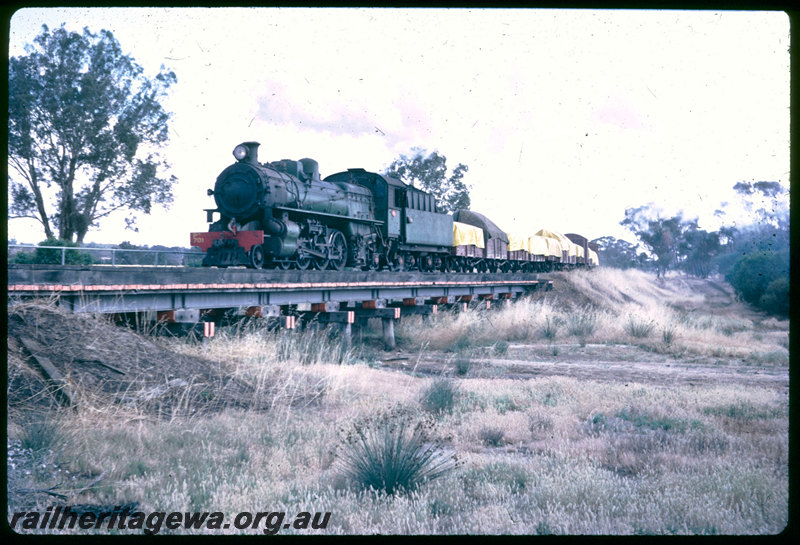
(551, 455)
(546, 455)
(609, 306)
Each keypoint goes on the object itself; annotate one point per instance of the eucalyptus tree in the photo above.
(428, 171)
(85, 125)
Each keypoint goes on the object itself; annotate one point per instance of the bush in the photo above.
(390, 454)
(491, 436)
(464, 342)
(753, 273)
(463, 365)
(133, 258)
(439, 397)
(776, 297)
(647, 420)
(49, 256)
(501, 347)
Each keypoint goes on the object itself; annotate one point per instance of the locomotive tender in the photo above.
(282, 214)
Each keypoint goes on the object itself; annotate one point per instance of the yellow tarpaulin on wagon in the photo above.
(539, 246)
(467, 235)
(517, 242)
(553, 234)
(563, 242)
(554, 247)
(593, 257)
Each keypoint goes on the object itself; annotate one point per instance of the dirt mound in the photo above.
(615, 289)
(100, 362)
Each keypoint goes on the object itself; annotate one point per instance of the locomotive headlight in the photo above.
(240, 152)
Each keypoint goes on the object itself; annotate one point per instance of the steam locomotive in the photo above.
(283, 215)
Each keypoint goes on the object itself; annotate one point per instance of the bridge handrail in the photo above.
(113, 251)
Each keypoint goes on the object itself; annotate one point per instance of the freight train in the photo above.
(283, 215)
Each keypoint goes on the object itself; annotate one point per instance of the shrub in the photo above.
(50, 256)
(501, 347)
(775, 299)
(464, 342)
(390, 454)
(439, 397)
(505, 403)
(463, 365)
(753, 273)
(646, 419)
(491, 436)
(539, 425)
(744, 411)
(512, 476)
(134, 258)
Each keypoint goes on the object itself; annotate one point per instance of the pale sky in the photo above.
(565, 118)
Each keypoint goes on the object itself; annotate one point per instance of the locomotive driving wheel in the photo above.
(320, 263)
(303, 261)
(337, 250)
(256, 255)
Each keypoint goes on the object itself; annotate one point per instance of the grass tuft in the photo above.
(639, 327)
(41, 435)
(743, 411)
(491, 436)
(392, 454)
(439, 397)
(463, 364)
(582, 323)
(550, 328)
(501, 348)
(668, 335)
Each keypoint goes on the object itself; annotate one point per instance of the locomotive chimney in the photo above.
(252, 151)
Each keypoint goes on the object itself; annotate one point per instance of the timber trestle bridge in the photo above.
(194, 297)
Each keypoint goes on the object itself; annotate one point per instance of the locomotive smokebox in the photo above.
(239, 190)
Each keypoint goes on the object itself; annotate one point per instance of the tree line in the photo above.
(753, 258)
